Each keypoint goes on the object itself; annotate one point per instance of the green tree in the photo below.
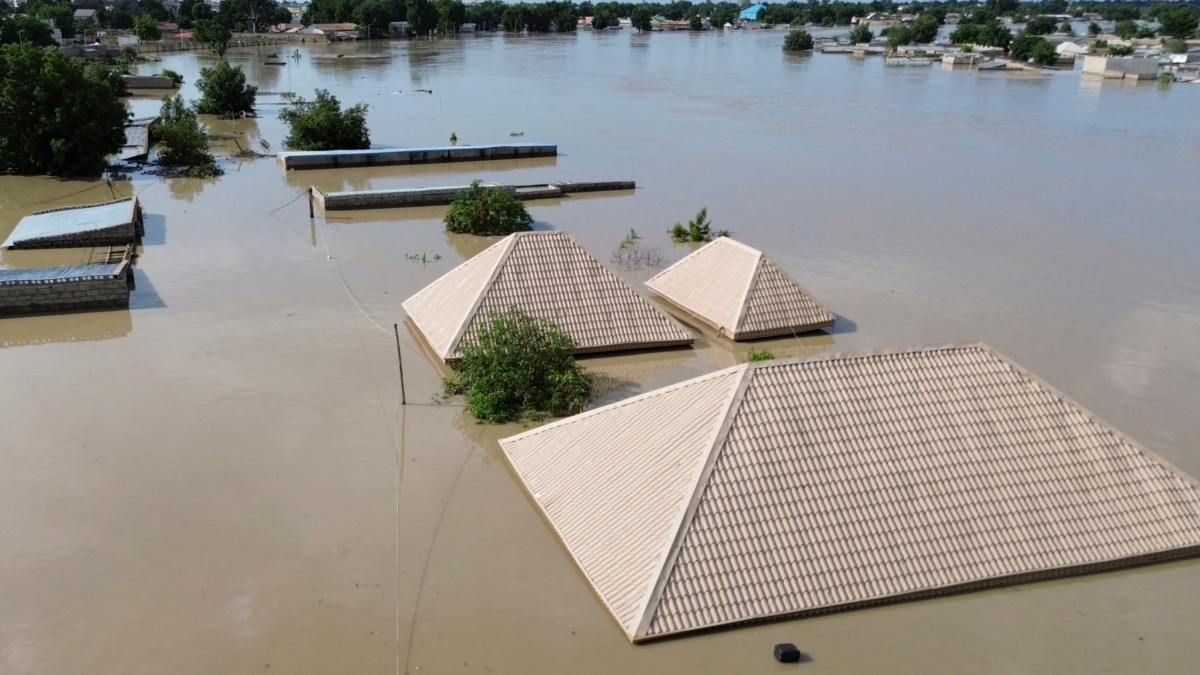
(697, 230)
(321, 124)
(146, 28)
(1125, 29)
(421, 16)
(1179, 22)
(1040, 25)
(487, 211)
(19, 28)
(1093, 29)
(722, 14)
(798, 40)
(604, 17)
(1022, 45)
(861, 34)
(517, 364)
(1066, 29)
(214, 33)
(224, 92)
(58, 118)
(639, 18)
(695, 22)
(1043, 53)
(180, 141)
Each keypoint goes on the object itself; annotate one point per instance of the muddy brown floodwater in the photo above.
(221, 479)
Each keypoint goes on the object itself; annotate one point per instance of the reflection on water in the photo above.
(71, 327)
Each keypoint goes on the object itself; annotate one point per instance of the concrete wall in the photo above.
(391, 156)
(148, 82)
(441, 196)
(1117, 67)
(29, 297)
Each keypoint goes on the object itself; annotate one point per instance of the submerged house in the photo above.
(546, 275)
(738, 291)
(789, 488)
(106, 224)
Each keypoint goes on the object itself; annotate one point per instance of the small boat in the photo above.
(276, 63)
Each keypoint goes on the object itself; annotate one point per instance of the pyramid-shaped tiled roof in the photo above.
(778, 489)
(546, 275)
(740, 292)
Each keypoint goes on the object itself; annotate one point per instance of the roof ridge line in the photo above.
(647, 610)
(750, 285)
(483, 289)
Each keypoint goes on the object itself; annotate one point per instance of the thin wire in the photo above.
(342, 280)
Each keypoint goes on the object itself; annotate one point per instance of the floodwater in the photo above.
(222, 479)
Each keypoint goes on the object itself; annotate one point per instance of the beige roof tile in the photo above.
(548, 275)
(848, 480)
(737, 290)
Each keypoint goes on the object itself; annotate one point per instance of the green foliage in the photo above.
(797, 41)
(697, 229)
(180, 141)
(604, 17)
(861, 34)
(517, 364)
(759, 355)
(321, 124)
(24, 28)
(639, 18)
(1165, 79)
(1119, 50)
(1022, 45)
(487, 211)
(1093, 29)
(213, 32)
(695, 22)
(1125, 29)
(1098, 45)
(1179, 22)
(58, 117)
(922, 30)
(224, 92)
(1176, 46)
(1066, 29)
(1043, 54)
(146, 28)
(1040, 25)
(175, 77)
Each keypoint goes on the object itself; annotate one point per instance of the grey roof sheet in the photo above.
(43, 274)
(547, 275)
(847, 480)
(740, 292)
(72, 220)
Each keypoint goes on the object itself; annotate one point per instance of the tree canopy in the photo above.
(224, 92)
(180, 141)
(58, 117)
(321, 124)
(798, 41)
(519, 364)
(487, 211)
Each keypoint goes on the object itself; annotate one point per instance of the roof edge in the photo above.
(1049, 574)
(699, 484)
(744, 300)
(508, 243)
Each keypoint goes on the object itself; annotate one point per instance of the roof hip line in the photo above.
(452, 348)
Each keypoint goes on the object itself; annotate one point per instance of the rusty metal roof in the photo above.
(547, 275)
(740, 292)
(789, 488)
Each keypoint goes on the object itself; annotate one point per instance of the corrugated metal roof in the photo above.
(740, 292)
(547, 275)
(848, 480)
(72, 220)
(40, 274)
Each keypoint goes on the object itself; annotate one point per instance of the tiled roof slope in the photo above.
(547, 275)
(737, 290)
(848, 480)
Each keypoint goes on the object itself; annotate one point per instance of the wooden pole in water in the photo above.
(400, 358)
(310, 206)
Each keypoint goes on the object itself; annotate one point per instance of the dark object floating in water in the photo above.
(275, 63)
(786, 652)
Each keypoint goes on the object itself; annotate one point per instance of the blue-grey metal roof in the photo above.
(72, 220)
(9, 277)
(751, 12)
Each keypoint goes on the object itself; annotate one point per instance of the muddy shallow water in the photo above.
(221, 479)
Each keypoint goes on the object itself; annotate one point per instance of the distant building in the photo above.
(751, 13)
(334, 32)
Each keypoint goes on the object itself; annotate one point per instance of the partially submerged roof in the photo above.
(547, 275)
(740, 292)
(798, 487)
(33, 275)
(115, 222)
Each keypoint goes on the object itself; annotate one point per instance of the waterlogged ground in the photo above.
(221, 479)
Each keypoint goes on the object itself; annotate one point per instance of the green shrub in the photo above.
(1165, 79)
(180, 141)
(224, 92)
(1120, 50)
(175, 77)
(698, 229)
(861, 34)
(759, 355)
(1043, 53)
(487, 211)
(321, 124)
(517, 364)
(798, 41)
